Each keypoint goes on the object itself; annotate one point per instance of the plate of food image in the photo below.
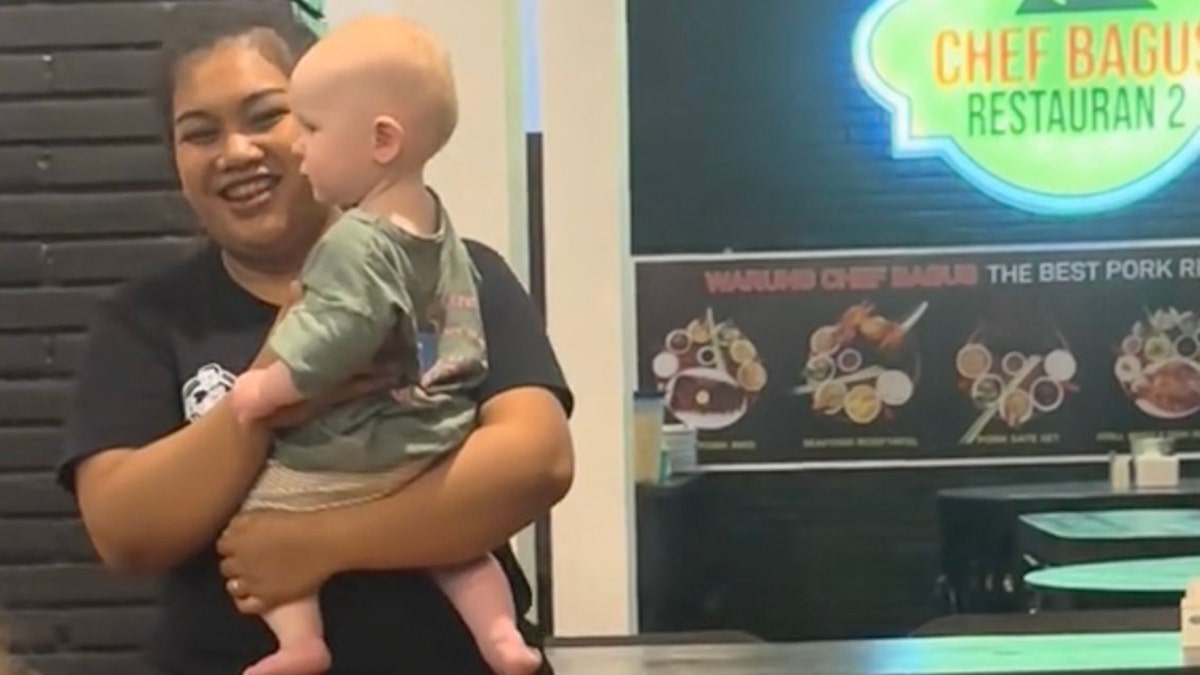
(1170, 389)
(1014, 370)
(710, 372)
(1158, 364)
(706, 398)
(863, 367)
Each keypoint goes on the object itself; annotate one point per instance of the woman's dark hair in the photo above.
(269, 26)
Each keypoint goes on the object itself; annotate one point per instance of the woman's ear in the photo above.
(387, 139)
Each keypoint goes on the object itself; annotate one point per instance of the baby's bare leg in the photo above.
(480, 593)
(302, 650)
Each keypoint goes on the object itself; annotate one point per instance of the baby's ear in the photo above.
(387, 139)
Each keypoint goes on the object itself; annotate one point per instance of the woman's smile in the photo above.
(249, 195)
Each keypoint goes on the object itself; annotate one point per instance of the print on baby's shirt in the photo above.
(427, 352)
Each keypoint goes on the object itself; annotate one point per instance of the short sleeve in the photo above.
(126, 393)
(518, 349)
(354, 292)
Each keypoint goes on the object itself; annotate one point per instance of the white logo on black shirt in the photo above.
(204, 389)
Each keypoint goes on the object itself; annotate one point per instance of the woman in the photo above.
(158, 464)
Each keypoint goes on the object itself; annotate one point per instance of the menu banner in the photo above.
(931, 354)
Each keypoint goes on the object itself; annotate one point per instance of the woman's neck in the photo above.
(271, 285)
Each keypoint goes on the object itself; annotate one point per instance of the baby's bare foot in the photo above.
(509, 655)
(310, 657)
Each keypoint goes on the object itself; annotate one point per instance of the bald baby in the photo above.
(375, 102)
(377, 99)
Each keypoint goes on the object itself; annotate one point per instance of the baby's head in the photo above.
(376, 100)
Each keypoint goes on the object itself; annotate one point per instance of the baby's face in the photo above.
(334, 144)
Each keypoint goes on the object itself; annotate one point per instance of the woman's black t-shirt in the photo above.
(163, 350)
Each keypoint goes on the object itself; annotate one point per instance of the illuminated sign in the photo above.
(1058, 107)
(312, 13)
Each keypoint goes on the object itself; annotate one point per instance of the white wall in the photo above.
(589, 282)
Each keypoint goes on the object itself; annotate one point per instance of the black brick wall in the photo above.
(86, 200)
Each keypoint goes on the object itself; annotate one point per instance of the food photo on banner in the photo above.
(968, 231)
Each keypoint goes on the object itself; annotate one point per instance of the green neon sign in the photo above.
(312, 14)
(1058, 107)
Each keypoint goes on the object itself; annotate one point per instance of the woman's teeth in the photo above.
(248, 190)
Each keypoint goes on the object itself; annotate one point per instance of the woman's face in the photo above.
(233, 133)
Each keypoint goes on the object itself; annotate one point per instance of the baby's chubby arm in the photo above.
(261, 391)
(353, 297)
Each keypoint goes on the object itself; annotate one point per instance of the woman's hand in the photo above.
(269, 558)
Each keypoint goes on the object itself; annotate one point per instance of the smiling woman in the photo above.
(158, 462)
(231, 135)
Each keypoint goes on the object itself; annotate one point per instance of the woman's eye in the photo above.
(198, 136)
(267, 119)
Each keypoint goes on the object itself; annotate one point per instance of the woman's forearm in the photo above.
(510, 471)
(148, 509)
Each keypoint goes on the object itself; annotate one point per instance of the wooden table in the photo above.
(1072, 537)
(1125, 653)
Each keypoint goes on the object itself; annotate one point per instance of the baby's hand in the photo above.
(248, 399)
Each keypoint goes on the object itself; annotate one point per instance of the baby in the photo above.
(376, 101)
